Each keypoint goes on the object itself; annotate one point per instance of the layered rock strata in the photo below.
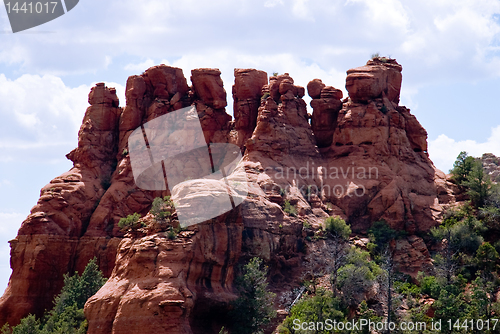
(364, 159)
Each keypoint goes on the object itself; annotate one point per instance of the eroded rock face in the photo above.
(363, 160)
(379, 76)
(326, 105)
(392, 179)
(411, 255)
(247, 91)
(491, 165)
(77, 214)
(209, 87)
(156, 280)
(49, 240)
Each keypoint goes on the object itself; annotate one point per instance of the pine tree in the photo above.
(253, 309)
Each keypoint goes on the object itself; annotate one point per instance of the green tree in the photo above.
(315, 309)
(486, 257)
(162, 209)
(254, 307)
(462, 167)
(67, 316)
(130, 222)
(455, 238)
(357, 276)
(381, 234)
(77, 289)
(339, 232)
(28, 325)
(478, 185)
(449, 305)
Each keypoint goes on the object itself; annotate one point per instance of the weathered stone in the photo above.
(376, 77)
(209, 87)
(375, 168)
(326, 105)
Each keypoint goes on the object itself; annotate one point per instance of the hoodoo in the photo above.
(363, 158)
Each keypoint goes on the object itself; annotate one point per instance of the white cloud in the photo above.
(444, 150)
(44, 108)
(434, 39)
(385, 12)
(301, 9)
(139, 68)
(272, 3)
(41, 113)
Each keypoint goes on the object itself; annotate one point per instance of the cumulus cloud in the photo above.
(435, 40)
(444, 150)
(40, 113)
(141, 66)
(40, 109)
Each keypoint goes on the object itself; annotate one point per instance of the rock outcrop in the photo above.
(364, 159)
(326, 105)
(491, 165)
(379, 77)
(247, 91)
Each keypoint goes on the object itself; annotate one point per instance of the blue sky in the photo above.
(449, 50)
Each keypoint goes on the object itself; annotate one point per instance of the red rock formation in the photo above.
(247, 90)
(326, 105)
(49, 242)
(374, 133)
(156, 280)
(367, 164)
(210, 103)
(379, 76)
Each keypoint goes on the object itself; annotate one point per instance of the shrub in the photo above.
(162, 209)
(171, 234)
(315, 309)
(337, 227)
(407, 289)
(305, 225)
(357, 276)
(429, 285)
(130, 222)
(290, 209)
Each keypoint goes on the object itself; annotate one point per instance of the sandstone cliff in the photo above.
(363, 158)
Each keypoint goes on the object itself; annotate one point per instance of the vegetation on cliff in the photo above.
(67, 315)
(462, 285)
(254, 307)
